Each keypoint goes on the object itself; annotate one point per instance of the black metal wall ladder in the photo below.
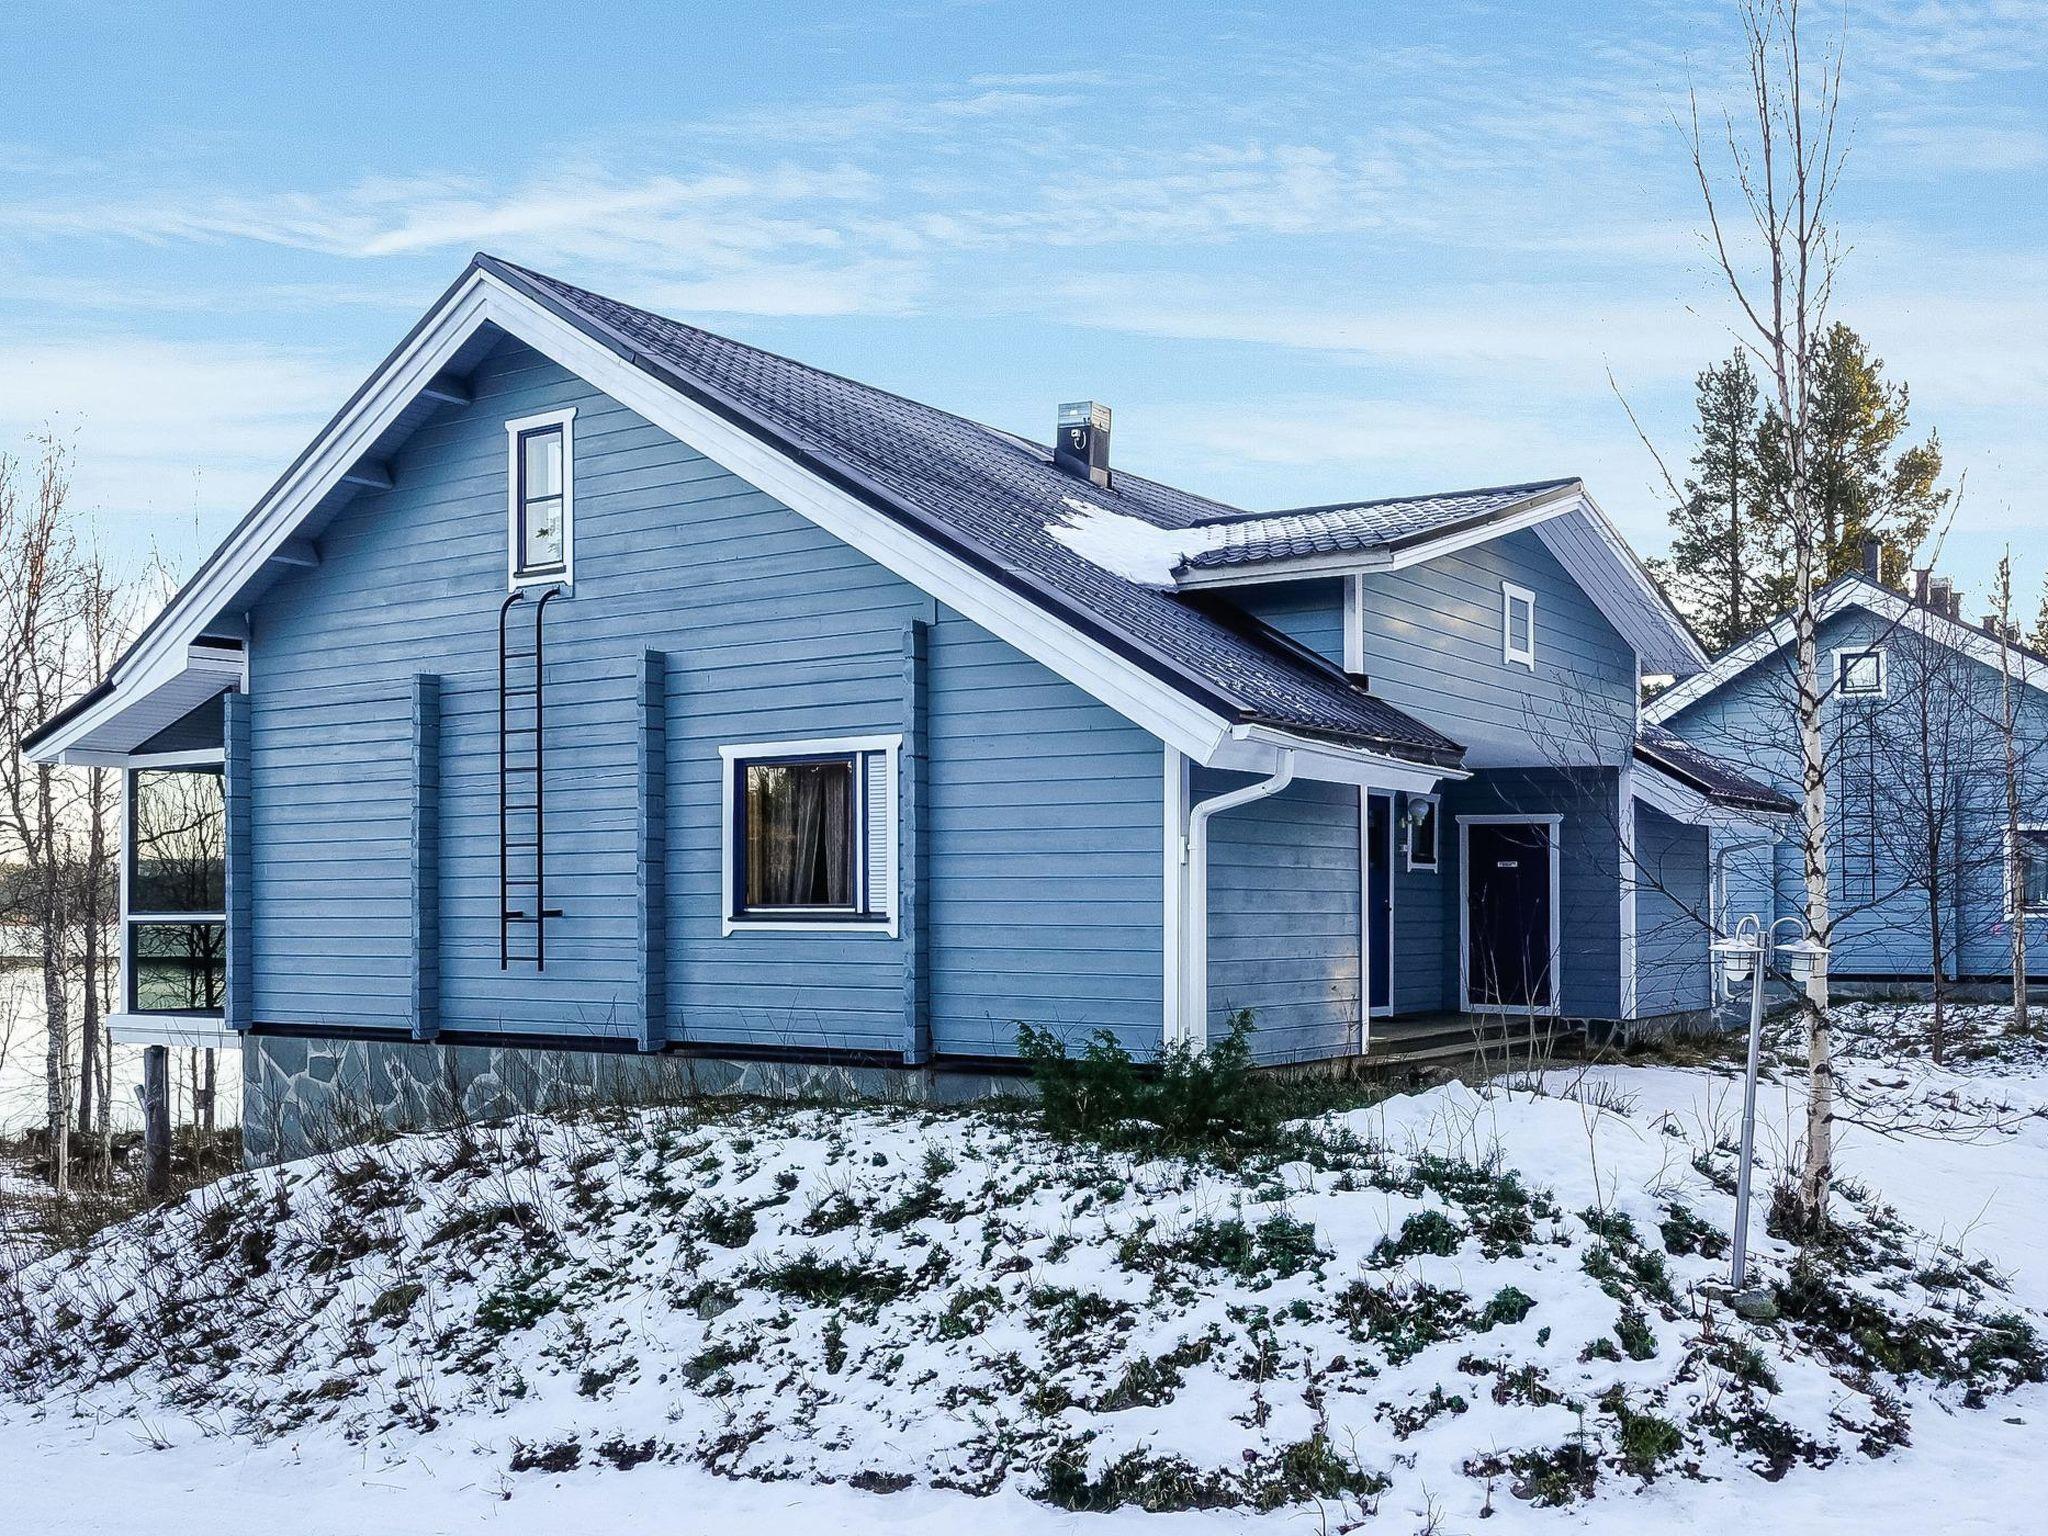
(522, 787)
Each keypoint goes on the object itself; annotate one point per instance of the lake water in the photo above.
(23, 1096)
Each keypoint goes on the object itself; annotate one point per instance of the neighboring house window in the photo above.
(811, 833)
(542, 496)
(1857, 817)
(176, 899)
(1518, 625)
(1422, 831)
(1860, 673)
(2030, 873)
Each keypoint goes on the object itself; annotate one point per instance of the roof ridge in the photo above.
(1013, 439)
(1528, 487)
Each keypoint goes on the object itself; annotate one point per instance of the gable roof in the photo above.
(1839, 596)
(990, 496)
(1391, 523)
(957, 508)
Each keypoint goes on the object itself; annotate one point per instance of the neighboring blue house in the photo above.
(1924, 877)
(596, 687)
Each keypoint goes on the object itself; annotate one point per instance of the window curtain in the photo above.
(799, 834)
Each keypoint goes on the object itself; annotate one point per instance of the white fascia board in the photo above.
(1644, 616)
(1381, 559)
(1257, 749)
(1682, 803)
(95, 737)
(186, 1031)
(1888, 605)
(1129, 689)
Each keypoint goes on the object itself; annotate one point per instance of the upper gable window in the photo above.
(1860, 673)
(540, 473)
(1517, 625)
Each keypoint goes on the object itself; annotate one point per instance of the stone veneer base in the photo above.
(301, 1096)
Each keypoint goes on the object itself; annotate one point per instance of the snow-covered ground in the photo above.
(681, 1341)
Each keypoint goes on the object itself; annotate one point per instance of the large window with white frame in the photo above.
(1517, 625)
(175, 898)
(811, 834)
(540, 475)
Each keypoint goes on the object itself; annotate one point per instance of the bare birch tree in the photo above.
(1784, 163)
(2014, 867)
(37, 610)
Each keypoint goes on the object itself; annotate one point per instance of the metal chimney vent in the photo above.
(1081, 445)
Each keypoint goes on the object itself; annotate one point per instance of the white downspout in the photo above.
(1195, 993)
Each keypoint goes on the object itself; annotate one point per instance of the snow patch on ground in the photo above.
(486, 1327)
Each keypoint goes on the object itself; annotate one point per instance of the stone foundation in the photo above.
(301, 1096)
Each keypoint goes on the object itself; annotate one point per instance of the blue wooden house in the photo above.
(597, 686)
(1927, 872)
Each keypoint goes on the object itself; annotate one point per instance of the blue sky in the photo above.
(1307, 253)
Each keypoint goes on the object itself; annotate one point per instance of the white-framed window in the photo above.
(2029, 857)
(541, 498)
(1860, 672)
(811, 834)
(1422, 821)
(1517, 625)
(174, 888)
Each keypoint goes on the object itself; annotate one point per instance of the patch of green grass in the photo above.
(1402, 1320)
(1430, 1232)
(833, 1282)
(1508, 1306)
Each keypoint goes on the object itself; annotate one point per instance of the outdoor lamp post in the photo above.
(1740, 956)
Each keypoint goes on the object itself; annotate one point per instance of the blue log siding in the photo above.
(1310, 612)
(1432, 638)
(1284, 917)
(1589, 872)
(1040, 812)
(1673, 919)
(1425, 921)
(424, 838)
(1880, 911)
(237, 790)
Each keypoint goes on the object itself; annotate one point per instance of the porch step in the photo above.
(1451, 1038)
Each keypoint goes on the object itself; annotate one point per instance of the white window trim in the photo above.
(566, 576)
(730, 755)
(1884, 674)
(1408, 840)
(1555, 1007)
(1510, 653)
(2013, 911)
(121, 1018)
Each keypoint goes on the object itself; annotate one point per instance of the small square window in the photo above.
(1860, 673)
(1422, 831)
(811, 834)
(1518, 625)
(542, 497)
(2030, 874)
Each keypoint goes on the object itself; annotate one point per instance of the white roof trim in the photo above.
(1683, 803)
(106, 733)
(1853, 592)
(1598, 559)
(481, 298)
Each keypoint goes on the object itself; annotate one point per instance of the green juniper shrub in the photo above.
(1509, 1305)
(1643, 1441)
(1636, 1335)
(1430, 1232)
(1186, 1099)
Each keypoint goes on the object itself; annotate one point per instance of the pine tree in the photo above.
(1721, 558)
(1862, 483)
